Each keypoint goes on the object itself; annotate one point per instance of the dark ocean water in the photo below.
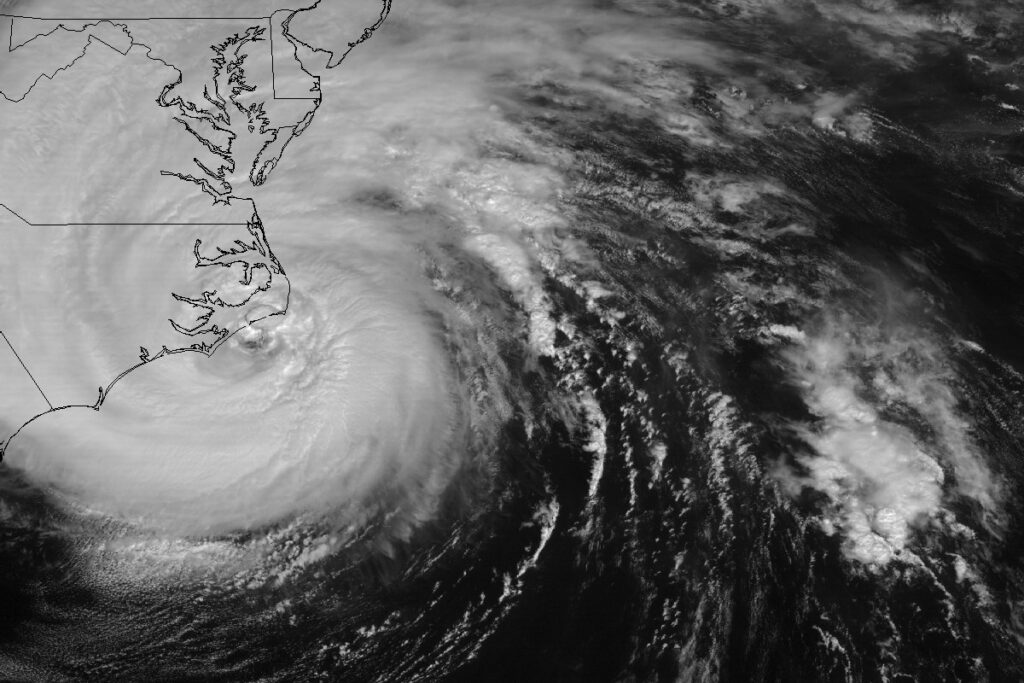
(778, 436)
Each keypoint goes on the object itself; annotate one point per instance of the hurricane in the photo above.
(577, 341)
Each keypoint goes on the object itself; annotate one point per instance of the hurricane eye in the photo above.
(253, 338)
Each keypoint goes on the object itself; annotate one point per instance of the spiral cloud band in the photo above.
(348, 393)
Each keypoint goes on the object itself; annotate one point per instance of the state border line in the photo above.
(27, 371)
(268, 19)
(121, 18)
(101, 223)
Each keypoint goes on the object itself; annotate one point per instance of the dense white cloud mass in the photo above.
(883, 480)
(347, 395)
